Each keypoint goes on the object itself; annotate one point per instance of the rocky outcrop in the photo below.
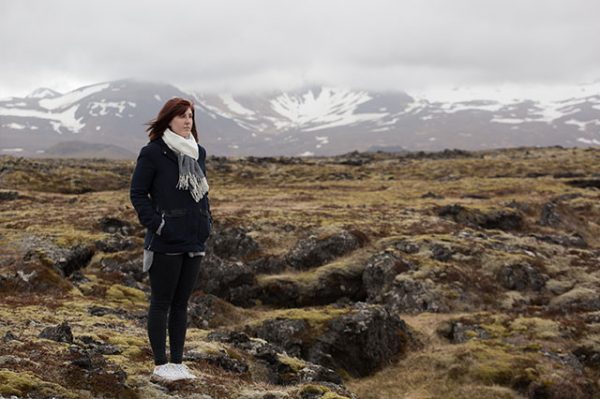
(60, 333)
(325, 285)
(459, 331)
(232, 243)
(114, 225)
(410, 295)
(280, 368)
(314, 251)
(509, 220)
(521, 277)
(359, 342)
(209, 311)
(380, 271)
(63, 260)
(233, 281)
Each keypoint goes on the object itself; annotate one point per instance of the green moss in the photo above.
(294, 363)
(121, 293)
(22, 383)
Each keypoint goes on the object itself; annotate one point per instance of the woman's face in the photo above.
(182, 124)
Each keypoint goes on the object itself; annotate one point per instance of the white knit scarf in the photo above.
(191, 176)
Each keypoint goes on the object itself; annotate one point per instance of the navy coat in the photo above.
(155, 197)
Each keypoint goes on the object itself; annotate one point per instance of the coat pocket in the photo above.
(176, 228)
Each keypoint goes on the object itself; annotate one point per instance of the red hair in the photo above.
(172, 108)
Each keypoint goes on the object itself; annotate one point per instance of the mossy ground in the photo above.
(530, 338)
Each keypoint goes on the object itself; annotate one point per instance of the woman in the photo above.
(169, 192)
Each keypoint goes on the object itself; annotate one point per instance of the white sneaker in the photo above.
(167, 372)
(183, 370)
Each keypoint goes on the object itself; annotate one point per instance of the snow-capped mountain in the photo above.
(311, 121)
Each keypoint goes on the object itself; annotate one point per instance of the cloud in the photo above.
(280, 44)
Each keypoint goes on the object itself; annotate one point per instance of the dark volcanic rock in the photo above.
(63, 260)
(329, 285)
(225, 278)
(585, 183)
(232, 243)
(60, 333)
(8, 195)
(440, 252)
(312, 251)
(268, 264)
(550, 216)
(520, 277)
(574, 240)
(279, 372)
(379, 274)
(286, 333)
(115, 243)
(458, 331)
(361, 342)
(409, 295)
(220, 359)
(114, 225)
(495, 219)
(209, 311)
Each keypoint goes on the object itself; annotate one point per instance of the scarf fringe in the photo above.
(198, 187)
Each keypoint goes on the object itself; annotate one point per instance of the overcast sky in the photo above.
(252, 45)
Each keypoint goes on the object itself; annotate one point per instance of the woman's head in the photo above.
(178, 115)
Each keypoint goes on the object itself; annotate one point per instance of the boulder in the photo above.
(521, 277)
(221, 277)
(232, 242)
(314, 251)
(279, 367)
(60, 333)
(379, 274)
(508, 220)
(325, 285)
(114, 225)
(550, 215)
(410, 295)
(209, 311)
(361, 342)
(115, 243)
(63, 260)
(459, 331)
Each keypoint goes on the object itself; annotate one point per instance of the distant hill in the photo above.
(82, 149)
(318, 121)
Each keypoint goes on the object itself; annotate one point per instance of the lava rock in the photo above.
(379, 274)
(361, 342)
(312, 251)
(60, 333)
(440, 252)
(114, 225)
(221, 277)
(495, 219)
(232, 242)
(520, 277)
(409, 295)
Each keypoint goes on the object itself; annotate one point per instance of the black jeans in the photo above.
(172, 280)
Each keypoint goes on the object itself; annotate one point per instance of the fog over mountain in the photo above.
(315, 120)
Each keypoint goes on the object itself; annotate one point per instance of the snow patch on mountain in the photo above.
(101, 108)
(43, 92)
(68, 99)
(329, 108)
(65, 118)
(234, 106)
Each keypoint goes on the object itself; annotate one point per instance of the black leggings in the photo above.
(172, 280)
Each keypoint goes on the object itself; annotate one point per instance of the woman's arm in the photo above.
(141, 182)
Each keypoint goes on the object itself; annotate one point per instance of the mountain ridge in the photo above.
(317, 120)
